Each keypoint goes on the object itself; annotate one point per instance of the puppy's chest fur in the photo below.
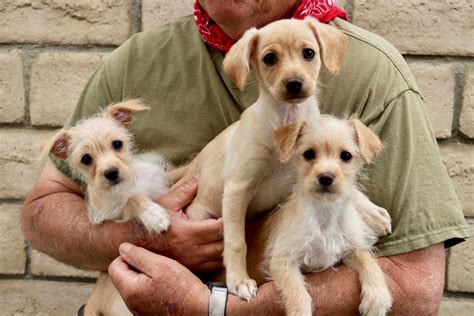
(318, 235)
(324, 237)
(150, 170)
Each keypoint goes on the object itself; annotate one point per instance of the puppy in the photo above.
(240, 174)
(319, 225)
(120, 185)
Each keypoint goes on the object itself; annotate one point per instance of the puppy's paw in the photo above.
(155, 219)
(375, 302)
(381, 222)
(246, 289)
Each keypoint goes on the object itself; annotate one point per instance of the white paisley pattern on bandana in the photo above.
(323, 10)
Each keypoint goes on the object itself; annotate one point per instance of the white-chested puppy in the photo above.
(319, 225)
(240, 174)
(120, 185)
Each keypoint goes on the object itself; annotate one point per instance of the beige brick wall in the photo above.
(48, 49)
(57, 79)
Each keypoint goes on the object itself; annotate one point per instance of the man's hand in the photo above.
(198, 245)
(151, 284)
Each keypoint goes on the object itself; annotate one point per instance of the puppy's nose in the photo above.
(326, 179)
(294, 85)
(111, 174)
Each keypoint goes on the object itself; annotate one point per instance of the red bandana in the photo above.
(211, 33)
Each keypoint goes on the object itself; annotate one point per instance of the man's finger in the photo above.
(141, 259)
(121, 273)
(180, 196)
(208, 230)
(212, 251)
(124, 278)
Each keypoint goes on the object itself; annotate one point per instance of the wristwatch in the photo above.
(217, 299)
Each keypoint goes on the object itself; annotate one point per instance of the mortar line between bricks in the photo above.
(458, 97)
(446, 262)
(458, 295)
(458, 139)
(136, 16)
(48, 278)
(349, 8)
(11, 201)
(67, 48)
(11, 126)
(446, 58)
(27, 259)
(27, 62)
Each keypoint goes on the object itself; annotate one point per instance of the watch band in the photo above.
(217, 299)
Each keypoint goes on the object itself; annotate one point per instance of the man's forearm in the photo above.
(415, 281)
(58, 225)
(333, 293)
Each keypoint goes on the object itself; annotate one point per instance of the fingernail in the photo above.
(125, 247)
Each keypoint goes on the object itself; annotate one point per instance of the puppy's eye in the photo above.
(86, 159)
(346, 156)
(270, 59)
(117, 144)
(310, 154)
(308, 53)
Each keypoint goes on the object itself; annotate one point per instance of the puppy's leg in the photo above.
(290, 282)
(207, 204)
(376, 217)
(152, 215)
(376, 299)
(105, 299)
(235, 202)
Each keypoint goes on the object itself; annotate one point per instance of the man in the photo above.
(192, 101)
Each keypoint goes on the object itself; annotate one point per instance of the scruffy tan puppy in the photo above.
(121, 186)
(319, 225)
(240, 174)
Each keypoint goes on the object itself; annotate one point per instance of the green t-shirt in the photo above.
(192, 100)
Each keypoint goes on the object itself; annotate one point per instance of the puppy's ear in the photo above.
(285, 139)
(237, 61)
(369, 143)
(332, 43)
(58, 145)
(122, 112)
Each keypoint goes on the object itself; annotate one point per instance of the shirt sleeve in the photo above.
(409, 179)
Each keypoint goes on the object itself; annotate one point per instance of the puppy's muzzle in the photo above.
(112, 175)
